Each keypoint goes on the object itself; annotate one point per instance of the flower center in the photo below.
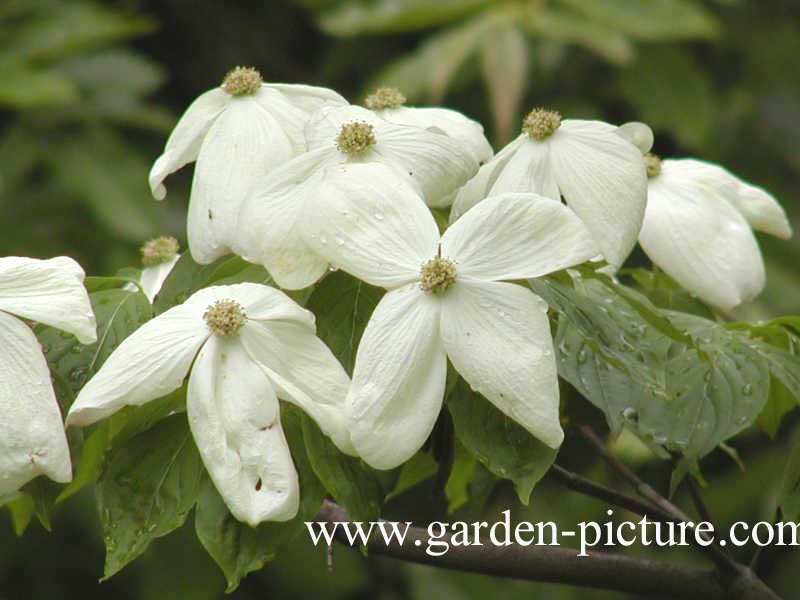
(653, 165)
(355, 137)
(242, 81)
(437, 275)
(385, 97)
(159, 250)
(225, 317)
(541, 123)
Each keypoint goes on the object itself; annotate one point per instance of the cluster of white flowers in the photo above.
(296, 179)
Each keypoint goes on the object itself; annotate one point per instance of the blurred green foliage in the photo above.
(90, 90)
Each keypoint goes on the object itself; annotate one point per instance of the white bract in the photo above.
(447, 298)
(697, 228)
(596, 167)
(236, 133)
(32, 439)
(435, 164)
(247, 345)
(389, 104)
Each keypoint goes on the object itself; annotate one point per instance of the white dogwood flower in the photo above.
(448, 297)
(246, 345)
(32, 439)
(697, 228)
(435, 164)
(596, 167)
(236, 133)
(389, 104)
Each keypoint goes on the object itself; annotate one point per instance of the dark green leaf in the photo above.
(457, 488)
(150, 485)
(498, 442)
(119, 313)
(343, 306)
(417, 469)
(351, 483)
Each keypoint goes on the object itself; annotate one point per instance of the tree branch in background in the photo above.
(562, 565)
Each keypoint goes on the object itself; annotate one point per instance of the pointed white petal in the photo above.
(308, 98)
(32, 440)
(603, 179)
(49, 291)
(517, 236)
(370, 223)
(291, 119)
(153, 277)
(150, 363)
(699, 239)
(303, 371)
(398, 380)
(755, 204)
(260, 302)
(443, 120)
(637, 133)
(497, 336)
(235, 420)
(477, 188)
(185, 140)
(269, 227)
(242, 145)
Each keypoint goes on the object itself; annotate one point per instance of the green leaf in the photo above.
(239, 549)
(417, 469)
(118, 193)
(115, 431)
(150, 485)
(21, 510)
(119, 313)
(382, 16)
(779, 404)
(426, 73)
(686, 387)
(498, 442)
(343, 306)
(565, 25)
(504, 60)
(671, 93)
(67, 28)
(187, 276)
(351, 483)
(23, 88)
(789, 496)
(457, 488)
(653, 19)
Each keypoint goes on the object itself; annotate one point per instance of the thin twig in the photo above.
(697, 498)
(727, 566)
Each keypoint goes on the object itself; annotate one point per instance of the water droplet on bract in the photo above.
(333, 268)
(747, 390)
(323, 240)
(339, 239)
(501, 313)
(378, 216)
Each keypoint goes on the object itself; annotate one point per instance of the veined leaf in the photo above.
(150, 485)
(497, 441)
